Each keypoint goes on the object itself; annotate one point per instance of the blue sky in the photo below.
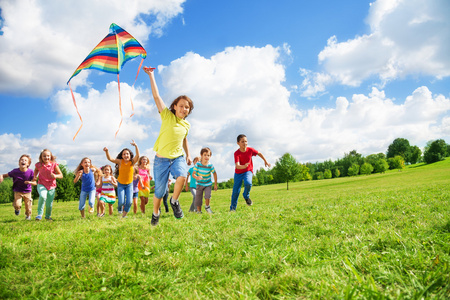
(313, 78)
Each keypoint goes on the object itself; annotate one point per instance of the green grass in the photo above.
(384, 236)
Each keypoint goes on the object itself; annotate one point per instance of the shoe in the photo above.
(91, 210)
(208, 209)
(49, 219)
(199, 212)
(249, 202)
(101, 215)
(17, 212)
(232, 210)
(155, 220)
(177, 212)
(38, 218)
(27, 218)
(120, 212)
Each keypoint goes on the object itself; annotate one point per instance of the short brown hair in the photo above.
(205, 150)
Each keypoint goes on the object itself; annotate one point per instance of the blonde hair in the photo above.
(147, 165)
(52, 157)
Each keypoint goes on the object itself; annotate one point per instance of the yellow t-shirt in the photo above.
(125, 172)
(171, 135)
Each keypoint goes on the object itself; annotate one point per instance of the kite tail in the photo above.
(131, 100)
(75, 103)
(120, 106)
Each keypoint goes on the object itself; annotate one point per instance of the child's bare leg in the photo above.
(82, 213)
(98, 205)
(144, 201)
(207, 202)
(110, 209)
(199, 209)
(135, 205)
(179, 183)
(156, 205)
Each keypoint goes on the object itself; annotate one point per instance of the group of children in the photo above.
(134, 181)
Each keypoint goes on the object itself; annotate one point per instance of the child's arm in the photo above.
(36, 173)
(186, 149)
(215, 181)
(4, 175)
(108, 157)
(78, 176)
(58, 174)
(158, 101)
(264, 159)
(239, 166)
(136, 157)
(114, 181)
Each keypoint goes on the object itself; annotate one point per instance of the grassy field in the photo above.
(384, 236)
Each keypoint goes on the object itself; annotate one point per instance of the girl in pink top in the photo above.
(47, 170)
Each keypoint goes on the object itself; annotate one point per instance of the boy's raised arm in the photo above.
(264, 159)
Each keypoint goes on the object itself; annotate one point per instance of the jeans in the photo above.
(238, 178)
(83, 196)
(161, 169)
(45, 196)
(125, 196)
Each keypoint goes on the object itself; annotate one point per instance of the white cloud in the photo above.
(48, 39)
(239, 90)
(406, 38)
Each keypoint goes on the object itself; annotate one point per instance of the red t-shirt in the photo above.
(243, 158)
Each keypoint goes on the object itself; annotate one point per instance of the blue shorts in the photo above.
(162, 168)
(135, 195)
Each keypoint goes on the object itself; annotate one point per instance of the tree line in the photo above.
(287, 169)
(399, 153)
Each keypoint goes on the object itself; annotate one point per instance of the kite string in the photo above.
(120, 106)
(131, 100)
(75, 103)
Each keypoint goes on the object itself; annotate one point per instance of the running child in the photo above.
(22, 181)
(144, 188)
(107, 191)
(136, 181)
(47, 170)
(169, 147)
(244, 171)
(89, 174)
(202, 173)
(124, 161)
(192, 185)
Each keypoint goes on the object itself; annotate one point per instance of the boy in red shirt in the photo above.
(244, 171)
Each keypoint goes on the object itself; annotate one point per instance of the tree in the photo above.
(399, 146)
(327, 174)
(336, 172)
(6, 192)
(65, 189)
(435, 151)
(381, 166)
(353, 170)
(286, 169)
(396, 162)
(366, 169)
(415, 154)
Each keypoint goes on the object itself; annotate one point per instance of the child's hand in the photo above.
(80, 173)
(148, 70)
(215, 186)
(54, 176)
(133, 143)
(188, 160)
(267, 164)
(105, 149)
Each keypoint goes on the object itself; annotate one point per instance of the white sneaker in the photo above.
(208, 209)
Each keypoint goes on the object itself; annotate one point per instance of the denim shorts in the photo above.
(162, 168)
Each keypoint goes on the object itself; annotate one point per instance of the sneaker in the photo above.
(249, 202)
(49, 219)
(17, 212)
(120, 212)
(155, 220)
(38, 218)
(177, 212)
(199, 212)
(28, 218)
(101, 215)
(232, 210)
(208, 209)
(91, 210)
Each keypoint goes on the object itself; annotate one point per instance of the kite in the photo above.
(109, 56)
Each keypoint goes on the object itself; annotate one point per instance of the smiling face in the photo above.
(107, 170)
(126, 155)
(24, 162)
(205, 157)
(143, 162)
(86, 163)
(46, 157)
(243, 144)
(182, 108)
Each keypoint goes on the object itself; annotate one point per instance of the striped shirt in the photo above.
(205, 172)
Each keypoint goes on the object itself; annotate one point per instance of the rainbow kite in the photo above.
(110, 55)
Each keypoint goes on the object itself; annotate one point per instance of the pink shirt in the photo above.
(45, 174)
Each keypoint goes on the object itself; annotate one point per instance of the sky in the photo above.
(317, 79)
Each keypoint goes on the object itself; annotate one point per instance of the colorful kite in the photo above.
(110, 55)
